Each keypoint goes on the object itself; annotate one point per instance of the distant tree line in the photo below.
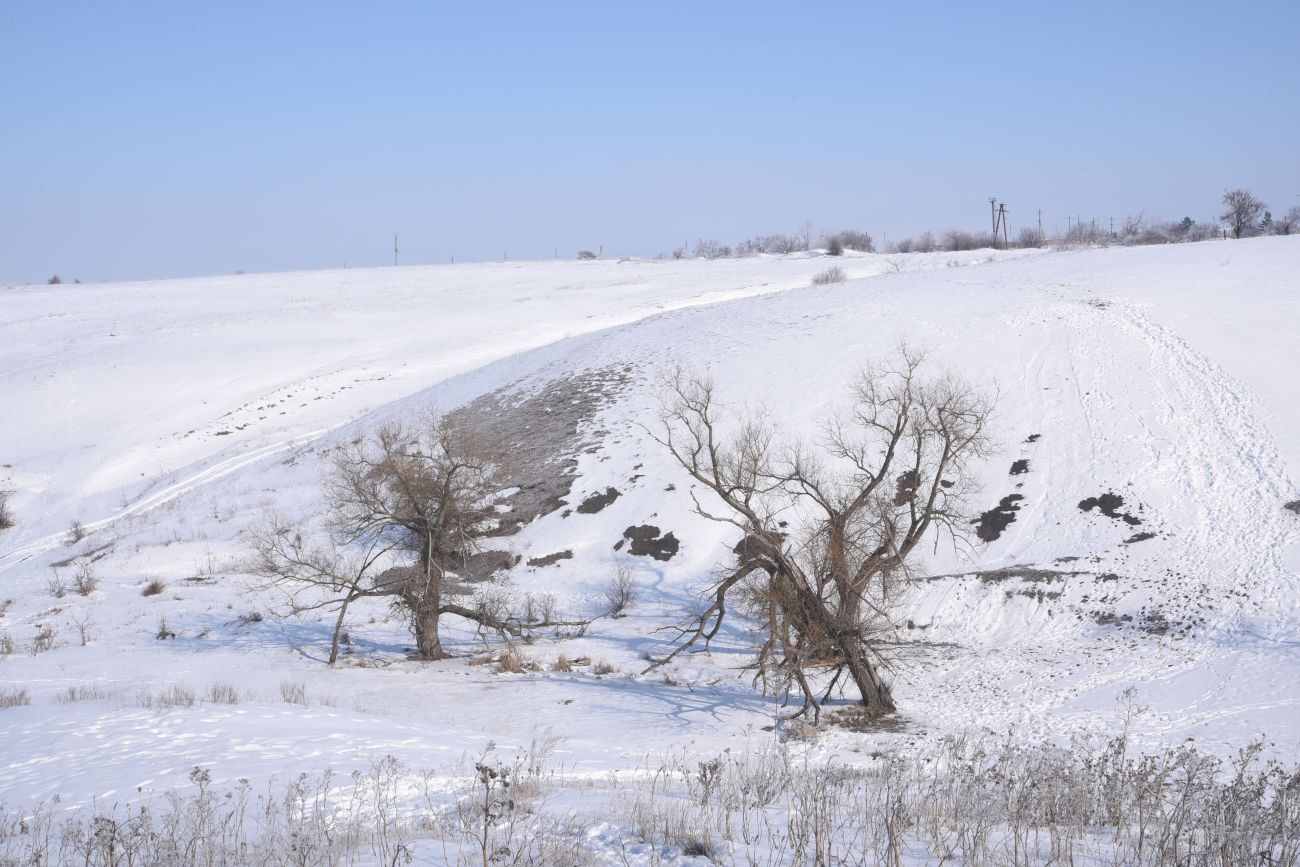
(1244, 216)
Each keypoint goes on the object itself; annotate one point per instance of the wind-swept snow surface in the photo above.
(1148, 420)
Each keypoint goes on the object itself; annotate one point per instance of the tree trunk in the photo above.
(338, 628)
(424, 619)
(876, 694)
(426, 608)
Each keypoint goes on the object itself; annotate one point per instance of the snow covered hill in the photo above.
(1148, 423)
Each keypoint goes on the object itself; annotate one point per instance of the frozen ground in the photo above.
(165, 417)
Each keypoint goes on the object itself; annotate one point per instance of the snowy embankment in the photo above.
(1148, 421)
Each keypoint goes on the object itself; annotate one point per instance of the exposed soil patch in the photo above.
(1024, 573)
(1036, 593)
(989, 526)
(598, 501)
(1139, 537)
(647, 542)
(1152, 623)
(543, 431)
(1020, 467)
(1108, 504)
(905, 487)
(1033, 438)
(94, 555)
(551, 559)
(476, 568)
(1294, 506)
(860, 718)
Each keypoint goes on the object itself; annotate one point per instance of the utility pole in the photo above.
(1002, 218)
(1040, 222)
(394, 249)
(993, 214)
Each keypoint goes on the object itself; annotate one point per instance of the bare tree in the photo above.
(314, 576)
(428, 490)
(887, 470)
(1241, 211)
(424, 490)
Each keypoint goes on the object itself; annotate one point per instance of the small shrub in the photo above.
(830, 275)
(834, 246)
(153, 588)
(84, 630)
(293, 692)
(586, 255)
(603, 667)
(1030, 236)
(621, 591)
(7, 645)
(223, 693)
(6, 516)
(955, 240)
(85, 581)
(850, 239)
(14, 697)
(711, 250)
(76, 532)
(904, 246)
(58, 587)
(164, 631)
(924, 243)
(56, 280)
(43, 640)
(563, 663)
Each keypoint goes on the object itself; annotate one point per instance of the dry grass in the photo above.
(175, 696)
(81, 692)
(153, 588)
(14, 697)
(43, 640)
(603, 667)
(223, 693)
(512, 662)
(293, 692)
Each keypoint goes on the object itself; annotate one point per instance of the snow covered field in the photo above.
(1158, 382)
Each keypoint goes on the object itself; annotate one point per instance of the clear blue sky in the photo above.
(145, 139)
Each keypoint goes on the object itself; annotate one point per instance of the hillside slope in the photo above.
(1152, 383)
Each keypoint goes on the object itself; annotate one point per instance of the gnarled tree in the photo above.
(827, 527)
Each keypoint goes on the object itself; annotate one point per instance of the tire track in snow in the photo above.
(167, 494)
(1217, 460)
(1203, 448)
